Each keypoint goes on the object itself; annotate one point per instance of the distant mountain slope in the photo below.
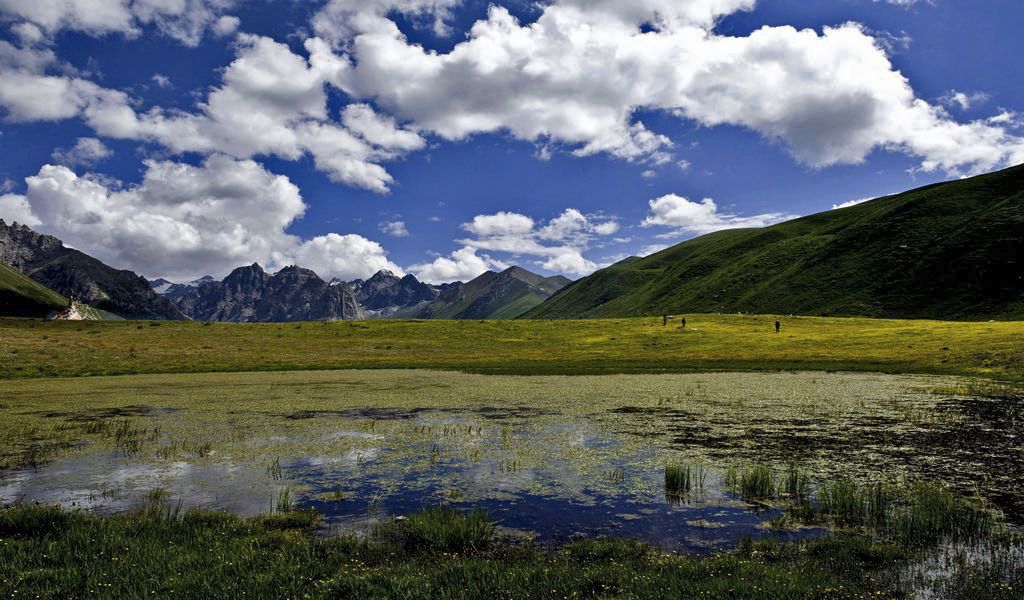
(951, 251)
(251, 295)
(504, 295)
(72, 273)
(172, 291)
(160, 286)
(385, 293)
(24, 297)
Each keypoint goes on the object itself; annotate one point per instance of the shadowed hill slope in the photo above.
(23, 297)
(504, 295)
(950, 251)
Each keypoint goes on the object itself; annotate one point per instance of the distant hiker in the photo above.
(682, 322)
(778, 327)
(664, 320)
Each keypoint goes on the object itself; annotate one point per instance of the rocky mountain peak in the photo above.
(386, 292)
(250, 295)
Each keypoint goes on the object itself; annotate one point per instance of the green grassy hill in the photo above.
(951, 251)
(23, 297)
(498, 296)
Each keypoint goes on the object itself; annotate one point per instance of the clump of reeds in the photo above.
(796, 484)
(285, 502)
(921, 513)
(198, 449)
(752, 483)
(932, 511)
(678, 481)
(159, 508)
(844, 502)
(167, 451)
(615, 476)
(128, 438)
(274, 470)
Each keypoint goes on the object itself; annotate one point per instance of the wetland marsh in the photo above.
(549, 457)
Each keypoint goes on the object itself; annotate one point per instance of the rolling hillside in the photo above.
(951, 251)
(504, 295)
(23, 297)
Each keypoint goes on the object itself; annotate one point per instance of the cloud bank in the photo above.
(579, 73)
(183, 220)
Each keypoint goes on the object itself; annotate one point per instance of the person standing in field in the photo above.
(682, 322)
(778, 326)
(664, 320)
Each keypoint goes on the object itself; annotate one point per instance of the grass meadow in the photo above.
(33, 348)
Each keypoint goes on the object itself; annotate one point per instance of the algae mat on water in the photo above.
(589, 448)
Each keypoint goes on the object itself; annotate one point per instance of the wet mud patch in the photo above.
(512, 412)
(99, 414)
(384, 414)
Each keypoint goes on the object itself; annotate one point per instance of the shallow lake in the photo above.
(547, 457)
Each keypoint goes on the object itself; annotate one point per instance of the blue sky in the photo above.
(446, 137)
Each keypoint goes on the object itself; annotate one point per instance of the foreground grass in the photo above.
(33, 348)
(440, 553)
(50, 553)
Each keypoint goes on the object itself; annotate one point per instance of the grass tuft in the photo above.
(445, 529)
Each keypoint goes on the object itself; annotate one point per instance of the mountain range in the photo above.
(38, 275)
(249, 294)
(946, 251)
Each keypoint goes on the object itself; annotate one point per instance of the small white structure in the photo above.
(72, 313)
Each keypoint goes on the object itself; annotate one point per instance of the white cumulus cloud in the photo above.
(578, 75)
(86, 152)
(346, 257)
(850, 203)
(963, 100)
(272, 102)
(15, 209)
(394, 228)
(462, 265)
(556, 246)
(183, 20)
(339, 19)
(574, 80)
(226, 25)
(182, 221)
(688, 217)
